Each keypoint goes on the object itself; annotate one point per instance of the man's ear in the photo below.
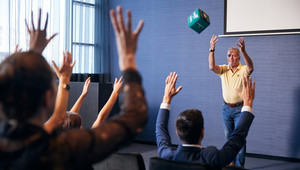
(202, 135)
(176, 132)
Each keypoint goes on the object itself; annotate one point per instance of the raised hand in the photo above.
(38, 40)
(241, 44)
(86, 86)
(64, 72)
(214, 39)
(125, 38)
(118, 85)
(248, 92)
(170, 88)
(18, 50)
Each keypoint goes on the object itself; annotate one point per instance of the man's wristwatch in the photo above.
(211, 50)
(66, 86)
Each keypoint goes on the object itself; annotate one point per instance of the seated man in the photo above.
(190, 129)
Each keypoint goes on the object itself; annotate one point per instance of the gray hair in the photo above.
(234, 48)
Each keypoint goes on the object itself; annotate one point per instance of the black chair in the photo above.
(157, 163)
(122, 161)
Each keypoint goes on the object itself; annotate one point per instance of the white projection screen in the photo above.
(261, 16)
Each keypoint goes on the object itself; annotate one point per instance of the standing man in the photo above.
(231, 77)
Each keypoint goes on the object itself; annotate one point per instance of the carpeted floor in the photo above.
(148, 151)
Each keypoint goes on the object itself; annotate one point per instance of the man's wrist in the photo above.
(248, 103)
(128, 62)
(167, 100)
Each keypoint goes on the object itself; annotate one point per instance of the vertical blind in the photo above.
(73, 20)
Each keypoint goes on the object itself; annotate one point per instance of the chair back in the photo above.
(122, 161)
(157, 163)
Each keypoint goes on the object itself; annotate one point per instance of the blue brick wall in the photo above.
(167, 44)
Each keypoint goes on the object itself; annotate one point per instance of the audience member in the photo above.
(190, 129)
(72, 120)
(28, 94)
(63, 73)
(104, 112)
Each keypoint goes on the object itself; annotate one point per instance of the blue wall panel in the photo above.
(167, 44)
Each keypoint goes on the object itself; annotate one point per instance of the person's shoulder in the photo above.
(209, 148)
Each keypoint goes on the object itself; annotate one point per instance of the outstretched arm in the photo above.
(38, 40)
(96, 144)
(163, 139)
(76, 107)
(237, 139)
(248, 61)
(104, 112)
(64, 74)
(211, 57)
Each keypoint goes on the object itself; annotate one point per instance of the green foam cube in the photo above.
(198, 20)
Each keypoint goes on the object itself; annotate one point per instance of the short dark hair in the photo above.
(72, 120)
(189, 125)
(24, 79)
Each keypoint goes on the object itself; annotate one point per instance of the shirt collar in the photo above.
(239, 66)
(192, 145)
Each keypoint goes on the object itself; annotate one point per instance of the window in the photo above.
(83, 36)
(73, 20)
(14, 30)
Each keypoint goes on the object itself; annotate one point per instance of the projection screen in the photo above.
(261, 16)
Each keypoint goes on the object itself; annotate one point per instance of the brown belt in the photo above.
(234, 104)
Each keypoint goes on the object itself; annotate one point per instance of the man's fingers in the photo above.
(114, 22)
(172, 78)
(139, 27)
(250, 82)
(121, 79)
(178, 89)
(129, 21)
(245, 82)
(237, 90)
(175, 78)
(120, 18)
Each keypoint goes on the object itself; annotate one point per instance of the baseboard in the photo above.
(253, 155)
(280, 158)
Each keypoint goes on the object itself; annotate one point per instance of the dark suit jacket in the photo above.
(209, 155)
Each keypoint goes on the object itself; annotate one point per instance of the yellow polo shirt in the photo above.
(231, 81)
